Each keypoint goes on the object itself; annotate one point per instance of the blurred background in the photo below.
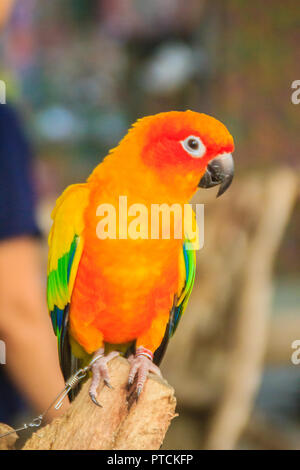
(79, 73)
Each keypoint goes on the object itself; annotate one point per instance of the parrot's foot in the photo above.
(100, 371)
(141, 364)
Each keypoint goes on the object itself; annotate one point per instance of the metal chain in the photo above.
(57, 402)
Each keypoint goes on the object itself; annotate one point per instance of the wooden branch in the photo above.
(118, 424)
(8, 442)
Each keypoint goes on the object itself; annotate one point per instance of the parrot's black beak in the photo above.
(219, 171)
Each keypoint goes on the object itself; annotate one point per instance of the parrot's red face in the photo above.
(188, 150)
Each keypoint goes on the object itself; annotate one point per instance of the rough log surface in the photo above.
(7, 443)
(119, 424)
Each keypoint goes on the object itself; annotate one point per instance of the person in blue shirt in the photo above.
(31, 365)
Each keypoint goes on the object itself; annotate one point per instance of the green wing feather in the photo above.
(65, 249)
(180, 303)
(58, 293)
(190, 272)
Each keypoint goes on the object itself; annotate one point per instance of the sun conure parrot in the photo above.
(126, 295)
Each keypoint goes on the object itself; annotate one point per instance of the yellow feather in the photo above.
(67, 221)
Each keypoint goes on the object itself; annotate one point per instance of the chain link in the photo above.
(57, 402)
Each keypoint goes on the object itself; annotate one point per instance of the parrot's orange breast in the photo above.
(121, 285)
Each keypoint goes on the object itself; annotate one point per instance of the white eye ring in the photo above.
(194, 146)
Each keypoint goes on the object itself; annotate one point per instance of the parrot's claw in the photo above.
(94, 399)
(140, 367)
(108, 384)
(100, 371)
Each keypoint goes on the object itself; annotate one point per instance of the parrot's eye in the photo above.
(194, 146)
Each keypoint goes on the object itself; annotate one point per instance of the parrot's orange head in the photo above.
(186, 150)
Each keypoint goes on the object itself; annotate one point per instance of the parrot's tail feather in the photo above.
(69, 364)
(160, 351)
(74, 365)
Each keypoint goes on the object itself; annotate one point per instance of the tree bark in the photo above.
(8, 442)
(121, 423)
